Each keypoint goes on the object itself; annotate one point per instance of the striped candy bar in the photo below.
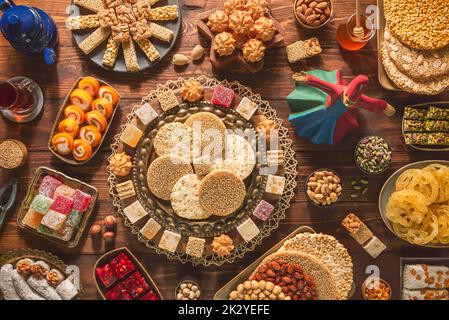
(92, 5)
(94, 39)
(111, 53)
(149, 49)
(129, 51)
(160, 32)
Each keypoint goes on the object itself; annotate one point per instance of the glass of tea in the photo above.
(346, 37)
(21, 99)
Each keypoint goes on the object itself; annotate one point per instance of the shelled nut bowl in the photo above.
(323, 192)
(313, 14)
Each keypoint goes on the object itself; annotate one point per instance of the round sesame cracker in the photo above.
(185, 199)
(222, 192)
(420, 24)
(325, 282)
(329, 251)
(174, 136)
(164, 172)
(240, 157)
(405, 83)
(208, 130)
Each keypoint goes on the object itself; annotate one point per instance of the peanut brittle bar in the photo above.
(111, 53)
(164, 13)
(160, 32)
(149, 49)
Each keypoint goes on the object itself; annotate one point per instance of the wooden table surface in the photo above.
(274, 84)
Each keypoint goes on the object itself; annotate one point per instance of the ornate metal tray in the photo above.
(255, 184)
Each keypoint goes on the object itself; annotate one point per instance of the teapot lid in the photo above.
(20, 24)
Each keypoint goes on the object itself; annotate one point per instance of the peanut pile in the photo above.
(324, 187)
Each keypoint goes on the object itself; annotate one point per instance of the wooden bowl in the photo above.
(69, 158)
(237, 57)
(306, 26)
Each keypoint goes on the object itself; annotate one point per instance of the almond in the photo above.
(321, 5)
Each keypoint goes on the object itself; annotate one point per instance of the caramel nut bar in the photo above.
(120, 33)
(303, 49)
(111, 53)
(113, 3)
(141, 9)
(357, 229)
(83, 22)
(125, 14)
(160, 32)
(140, 30)
(149, 49)
(107, 17)
(164, 13)
(94, 40)
(92, 5)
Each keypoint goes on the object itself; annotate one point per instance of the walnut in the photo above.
(224, 44)
(218, 21)
(257, 8)
(24, 266)
(240, 39)
(264, 29)
(222, 245)
(241, 22)
(54, 277)
(253, 50)
(269, 126)
(120, 164)
(192, 91)
(231, 5)
(40, 269)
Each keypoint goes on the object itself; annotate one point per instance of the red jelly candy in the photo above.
(122, 265)
(118, 293)
(107, 275)
(222, 96)
(81, 201)
(135, 284)
(150, 295)
(62, 205)
(49, 185)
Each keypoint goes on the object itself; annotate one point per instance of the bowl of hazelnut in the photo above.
(313, 14)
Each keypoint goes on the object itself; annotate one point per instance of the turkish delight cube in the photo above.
(62, 205)
(53, 220)
(73, 218)
(81, 201)
(246, 108)
(375, 247)
(118, 293)
(169, 241)
(275, 185)
(41, 203)
(131, 135)
(45, 230)
(32, 219)
(146, 114)
(122, 265)
(64, 190)
(65, 233)
(107, 275)
(135, 284)
(248, 230)
(49, 185)
(222, 96)
(150, 295)
(263, 210)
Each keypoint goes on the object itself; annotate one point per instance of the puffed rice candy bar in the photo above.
(83, 22)
(111, 53)
(140, 30)
(303, 49)
(92, 5)
(129, 52)
(120, 33)
(149, 49)
(164, 13)
(94, 40)
(160, 32)
(107, 17)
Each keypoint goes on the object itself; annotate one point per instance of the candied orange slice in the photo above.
(70, 126)
(82, 150)
(104, 106)
(81, 98)
(108, 93)
(91, 134)
(90, 84)
(97, 119)
(75, 113)
(62, 142)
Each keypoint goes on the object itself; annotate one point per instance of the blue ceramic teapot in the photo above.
(29, 30)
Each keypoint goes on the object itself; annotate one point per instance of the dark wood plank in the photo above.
(274, 84)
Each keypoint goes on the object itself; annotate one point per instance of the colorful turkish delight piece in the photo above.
(74, 218)
(62, 205)
(122, 265)
(49, 185)
(81, 201)
(32, 219)
(53, 220)
(135, 284)
(64, 190)
(41, 203)
(45, 231)
(65, 233)
(106, 275)
(118, 293)
(263, 210)
(222, 96)
(150, 295)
